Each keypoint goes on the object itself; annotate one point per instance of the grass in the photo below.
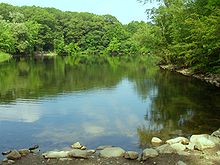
(4, 56)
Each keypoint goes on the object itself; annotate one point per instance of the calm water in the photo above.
(53, 104)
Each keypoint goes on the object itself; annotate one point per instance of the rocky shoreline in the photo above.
(211, 78)
(198, 149)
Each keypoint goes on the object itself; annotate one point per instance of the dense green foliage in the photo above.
(4, 56)
(189, 33)
(84, 37)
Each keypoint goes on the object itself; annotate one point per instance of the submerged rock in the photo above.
(203, 141)
(131, 155)
(34, 147)
(103, 147)
(156, 141)
(13, 155)
(55, 154)
(182, 140)
(112, 152)
(149, 153)
(165, 149)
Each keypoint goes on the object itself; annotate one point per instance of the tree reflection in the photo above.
(181, 106)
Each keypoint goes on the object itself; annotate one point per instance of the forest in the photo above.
(185, 33)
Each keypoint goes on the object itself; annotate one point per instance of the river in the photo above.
(52, 103)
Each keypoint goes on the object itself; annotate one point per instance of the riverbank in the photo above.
(200, 149)
(4, 56)
(211, 78)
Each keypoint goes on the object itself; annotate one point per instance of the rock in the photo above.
(13, 155)
(180, 163)
(24, 152)
(65, 159)
(112, 152)
(218, 153)
(131, 155)
(103, 147)
(83, 148)
(56, 154)
(216, 133)
(76, 145)
(183, 153)
(182, 140)
(165, 149)
(77, 153)
(149, 153)
(6, 152)
(11, 162)
(34, 147)
(202, 141)
(156, 141)
(178, 147)
(190, 146)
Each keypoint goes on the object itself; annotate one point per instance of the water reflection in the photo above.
(54, 104)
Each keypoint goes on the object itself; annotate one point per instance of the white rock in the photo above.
(56, 154)
(178, 147)
(156, 141)
(149, 153)
(77, 153)
(76, 145)
(165, 149)
(182, 140)
(180, 163)
(112, 152)
(202, 141)
(131, 155)
(190, 146)
(13, 155)
(216, 133)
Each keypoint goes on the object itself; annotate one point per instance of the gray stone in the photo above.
(103, 147)
(131, 155)
(112, 152)
(76, 145)
(165, 149)
(202, 141)
(55, 154)
(216, 133)
(24, 152)
(156, 141)
(13, 155)
(178, 147)
(180, 163)
(149, 153)
(182, 140)
(77, 153)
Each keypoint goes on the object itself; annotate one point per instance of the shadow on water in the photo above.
(49, 102)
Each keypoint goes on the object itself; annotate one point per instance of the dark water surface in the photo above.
(53, 104)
